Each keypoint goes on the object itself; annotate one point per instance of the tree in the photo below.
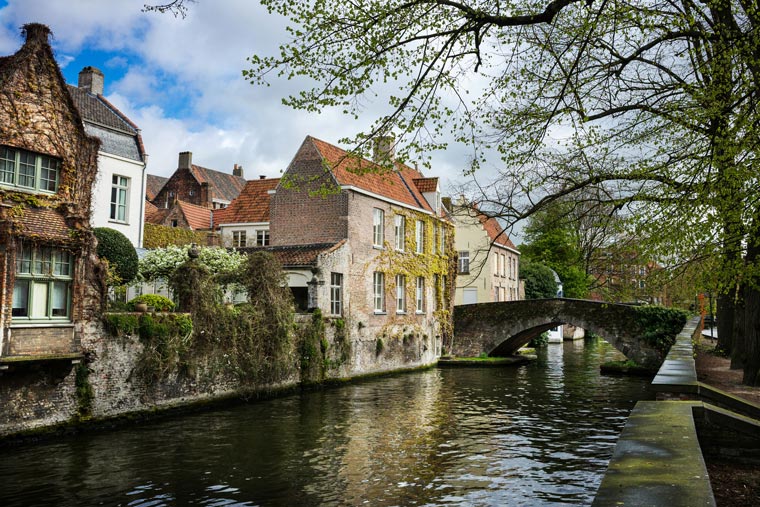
(655, 99)
(539, 281)
(115, 248)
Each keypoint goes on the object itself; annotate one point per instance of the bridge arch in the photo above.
(499, 329)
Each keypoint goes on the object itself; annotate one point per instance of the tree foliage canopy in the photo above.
(539, 281)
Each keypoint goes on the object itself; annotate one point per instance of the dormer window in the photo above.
(29, 171)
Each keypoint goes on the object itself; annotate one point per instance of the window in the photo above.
(399, 231)
(436, 292)
(642, 284)
(119, 189)
(435, 239)
(43, 283)
(378, 230)
(21, 168)
(400, 293)
(464, 262)
(503, 266)
(238, 239)
(496, 294)
(175, 223)
(443, 239)
(420, 295)
(336, 294)
(262, 237)
(378, 289)
(420, 236)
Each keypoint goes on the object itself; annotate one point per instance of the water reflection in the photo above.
(536, 435)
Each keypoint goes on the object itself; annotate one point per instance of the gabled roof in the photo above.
(197, 217)
(153, 185)
(495, 231)
(349, 170)
(225, 186)
(251, 206)
(426, 185)
(44, 223)
(117, 134)
(150, 212)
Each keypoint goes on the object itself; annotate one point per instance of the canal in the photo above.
(540, 434)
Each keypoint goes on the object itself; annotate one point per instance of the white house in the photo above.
(119, 190)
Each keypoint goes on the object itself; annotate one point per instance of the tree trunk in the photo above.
(737, 353)
(726, 312)
(751, 346)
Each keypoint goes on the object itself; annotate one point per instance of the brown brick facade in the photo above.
(38, 116)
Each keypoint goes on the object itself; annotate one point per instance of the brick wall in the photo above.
(40, 341)
(296, 218)
(180, 186)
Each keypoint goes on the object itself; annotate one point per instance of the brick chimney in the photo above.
(185, 160)
(237, 170)
(207, 195)
(91, 80)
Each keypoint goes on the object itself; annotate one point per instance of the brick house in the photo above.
(245, 222)
(199, 185)
(117, 198)
(488, 266)
(369, 246)
(51, 282)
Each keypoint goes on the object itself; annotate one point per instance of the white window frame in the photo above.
(420, 295)
(262, 237)
(378, 291)
(464, 262)
(399, 231)
(119, 211)
(419, 235)
(400, 293)
(336, 294)
(239, 239)
(378, 227)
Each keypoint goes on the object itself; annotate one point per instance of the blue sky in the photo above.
(180, 80)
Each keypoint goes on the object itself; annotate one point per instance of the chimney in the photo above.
(262, 176)
(384, 151)
(91, 80)
(237, 170)
(207, 195)
(36, 33)
(185, 160)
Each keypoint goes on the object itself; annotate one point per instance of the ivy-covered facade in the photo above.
(50, 283)
(371, 246)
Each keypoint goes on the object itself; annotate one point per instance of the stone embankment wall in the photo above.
(113, 380)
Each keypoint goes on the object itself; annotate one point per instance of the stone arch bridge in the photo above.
(499, 329)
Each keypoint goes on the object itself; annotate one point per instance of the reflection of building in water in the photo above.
(556, 335)
(397, 438)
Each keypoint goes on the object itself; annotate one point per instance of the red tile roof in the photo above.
(348, 169)
(197, 217)
(495, 231)
(426, 185)
(252, 205)
(302, 255)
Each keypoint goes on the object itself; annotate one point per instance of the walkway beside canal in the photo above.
(658, 459)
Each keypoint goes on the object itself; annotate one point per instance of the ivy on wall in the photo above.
(426, 265)
(158, 236)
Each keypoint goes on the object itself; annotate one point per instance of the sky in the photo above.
(180, 80)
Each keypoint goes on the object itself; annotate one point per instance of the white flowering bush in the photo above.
(160, 263)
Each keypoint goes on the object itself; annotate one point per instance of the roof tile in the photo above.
(252, 205)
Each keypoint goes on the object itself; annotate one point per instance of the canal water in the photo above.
(532, 435)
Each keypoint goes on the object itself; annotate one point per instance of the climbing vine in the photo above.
(436, 267)
(158, 236)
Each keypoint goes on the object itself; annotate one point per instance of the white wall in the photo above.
(108, 165)
(225, 231)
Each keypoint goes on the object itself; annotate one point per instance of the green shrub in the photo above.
(160, 303)
(539, 341)
(660, 325)
(118, 251)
